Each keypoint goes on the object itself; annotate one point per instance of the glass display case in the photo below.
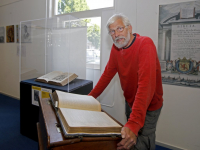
(54, 44)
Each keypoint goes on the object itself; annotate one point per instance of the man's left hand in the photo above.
(128, 139)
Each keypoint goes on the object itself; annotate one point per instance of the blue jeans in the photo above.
(146, 135)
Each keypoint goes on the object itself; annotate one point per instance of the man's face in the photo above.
(120, 39)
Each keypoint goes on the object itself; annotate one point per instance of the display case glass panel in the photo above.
(54, 44)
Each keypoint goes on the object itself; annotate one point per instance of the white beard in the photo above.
(126, 40)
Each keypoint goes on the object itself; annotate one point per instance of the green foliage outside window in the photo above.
(68, 6)
(93, 34)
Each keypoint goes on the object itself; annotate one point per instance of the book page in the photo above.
(70, 78)
(89, 121)
(50, 75)
(76, 101)
(61, 77)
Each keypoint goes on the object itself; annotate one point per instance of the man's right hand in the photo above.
(129, 139)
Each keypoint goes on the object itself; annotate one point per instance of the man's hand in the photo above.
(128, 139)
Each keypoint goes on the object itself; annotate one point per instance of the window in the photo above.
(93, 43)
(69, 6)
(93, 39)
(89, 11)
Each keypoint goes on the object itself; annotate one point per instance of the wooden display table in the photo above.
(50, 138)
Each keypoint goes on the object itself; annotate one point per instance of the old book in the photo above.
(57, 78)
(82, 115)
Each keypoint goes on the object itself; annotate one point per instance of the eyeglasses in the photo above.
(119, 29)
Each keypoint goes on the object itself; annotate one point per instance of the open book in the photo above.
(57, 78)
(82, 115)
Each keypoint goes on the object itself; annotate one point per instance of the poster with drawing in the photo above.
(2, 34)
(10, 36)
(38, 93)
(17, 33)
(25, 33)
(179, 43)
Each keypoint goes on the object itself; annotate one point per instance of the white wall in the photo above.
(178, 125)
(11, 13)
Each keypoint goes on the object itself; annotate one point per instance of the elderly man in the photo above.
(134, 58)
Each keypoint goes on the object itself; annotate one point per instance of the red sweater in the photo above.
(140, 77)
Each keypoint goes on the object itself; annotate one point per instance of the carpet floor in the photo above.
(10, 137)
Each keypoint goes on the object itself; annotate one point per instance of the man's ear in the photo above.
(130, 29)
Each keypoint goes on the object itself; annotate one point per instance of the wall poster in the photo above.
(10, 37)
(17, 33)
(179, 43)
(38, 93)
(26, 32)
(2, 34)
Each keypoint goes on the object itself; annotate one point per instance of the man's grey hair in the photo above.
(115, 17)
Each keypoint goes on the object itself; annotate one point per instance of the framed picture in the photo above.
(10, 37)
(17, 33)
(26, 33)
(2, 34)
(178, 43)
